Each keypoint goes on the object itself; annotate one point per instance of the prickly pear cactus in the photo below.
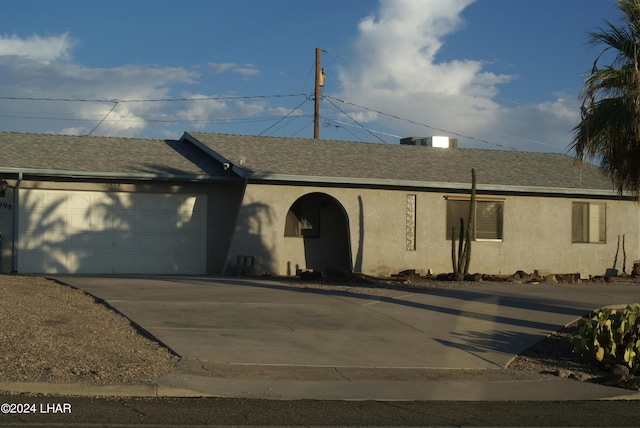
(610, 336)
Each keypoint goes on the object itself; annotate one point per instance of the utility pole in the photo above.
(319, 83)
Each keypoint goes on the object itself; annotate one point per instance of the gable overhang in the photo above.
(433, 186)
(226, 163)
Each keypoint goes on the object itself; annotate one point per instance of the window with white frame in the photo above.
(588, 222)
(488, 218)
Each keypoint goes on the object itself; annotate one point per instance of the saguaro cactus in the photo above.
(462, 261)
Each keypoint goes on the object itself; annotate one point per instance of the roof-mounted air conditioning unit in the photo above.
(435, 141)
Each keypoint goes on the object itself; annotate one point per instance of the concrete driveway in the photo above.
(247, 321)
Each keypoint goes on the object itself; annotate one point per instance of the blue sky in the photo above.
(494, 73)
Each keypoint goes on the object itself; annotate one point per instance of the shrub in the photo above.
(610, 336)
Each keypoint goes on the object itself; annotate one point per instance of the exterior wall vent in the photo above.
(435, 141)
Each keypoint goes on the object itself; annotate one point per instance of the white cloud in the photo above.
(396, 70)
(41, 48)
(246, 70)
(34, 75)
(33, 71)
(221, 67)
(538, 127)
(361, 116)
(204, 111)
(200, 113)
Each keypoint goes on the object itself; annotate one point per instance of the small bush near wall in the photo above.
(610, 336)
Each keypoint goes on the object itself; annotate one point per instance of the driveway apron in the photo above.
(264, 322)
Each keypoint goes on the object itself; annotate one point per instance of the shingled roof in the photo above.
(67, 155)
(200, 156)
(293, 159)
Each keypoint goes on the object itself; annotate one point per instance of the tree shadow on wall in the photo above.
(254, 241)
(38, 243)
(357, 266)
(65, 231)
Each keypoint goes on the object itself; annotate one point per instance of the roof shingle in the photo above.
(68, 154)
(270, 156)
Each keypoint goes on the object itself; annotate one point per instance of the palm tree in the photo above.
(609, 129)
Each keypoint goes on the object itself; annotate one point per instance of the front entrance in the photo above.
(316, 235)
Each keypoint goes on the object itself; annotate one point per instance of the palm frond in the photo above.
(609, 128)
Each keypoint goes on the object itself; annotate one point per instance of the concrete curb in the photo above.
(173, 385)
(87, 390)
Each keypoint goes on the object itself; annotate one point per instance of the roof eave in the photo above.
(497, 188)
(115, 175)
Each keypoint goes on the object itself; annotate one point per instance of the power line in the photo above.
(328, 122)
(420, 124)
(303, 128)
(150, 100)
(354, 121)
(370, 130)
(246, 120)
(286, 116)
(115, 104)
(152, 120)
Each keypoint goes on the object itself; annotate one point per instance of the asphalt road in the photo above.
(57, 411)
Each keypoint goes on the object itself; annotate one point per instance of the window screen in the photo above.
(488, 220)
(588, 222)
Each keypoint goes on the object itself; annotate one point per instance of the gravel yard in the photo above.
(53, 333)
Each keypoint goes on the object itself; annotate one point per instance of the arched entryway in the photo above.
(316, 235)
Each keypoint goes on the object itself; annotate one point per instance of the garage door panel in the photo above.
(80, 241)
(33, 202)
(149, 260)
(148, 242)
(148, 202)
(103, 241)
(147, 223)
(180, 243)
(101, 262)
(189, 261)
(43, 220)
(79, 201)
(36, 260)
(75, 261)
(120, 221)
(55, 240)
(190, 222)
(31, 261)
(80, 221)
(127, 263)
(34, 241)
(97, 220)
(124, 241)
(116, 232)
(57, 200)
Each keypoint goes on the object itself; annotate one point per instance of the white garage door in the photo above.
(111, 232)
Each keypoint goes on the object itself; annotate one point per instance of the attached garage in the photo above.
(113, 205)
(93, 232)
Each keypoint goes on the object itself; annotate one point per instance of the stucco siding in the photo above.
(536, 236)
(537, 233)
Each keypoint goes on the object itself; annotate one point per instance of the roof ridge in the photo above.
(373, 143)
